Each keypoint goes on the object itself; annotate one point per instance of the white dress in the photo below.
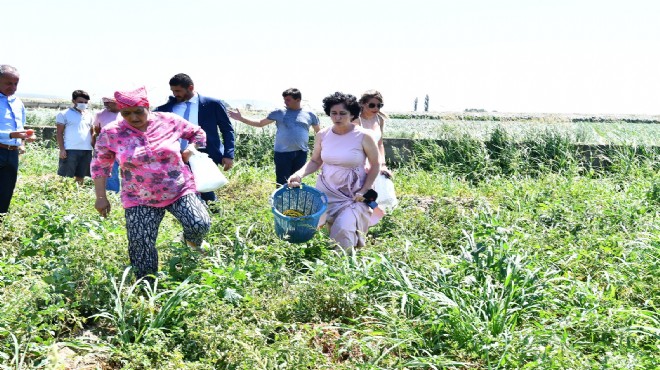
(372, 126)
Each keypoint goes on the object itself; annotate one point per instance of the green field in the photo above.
(489, 262)
(617, 130)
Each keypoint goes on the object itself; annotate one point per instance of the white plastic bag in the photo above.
(386, 194)
(206, 173)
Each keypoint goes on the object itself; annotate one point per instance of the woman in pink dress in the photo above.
(340, 151)
(155, 178)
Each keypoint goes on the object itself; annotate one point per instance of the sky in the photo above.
(537, 56)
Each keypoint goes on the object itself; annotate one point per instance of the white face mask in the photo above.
(81, 106)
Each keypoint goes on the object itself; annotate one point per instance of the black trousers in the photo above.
(286, 163)
(8, 175)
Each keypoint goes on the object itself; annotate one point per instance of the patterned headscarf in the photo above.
(135, 98)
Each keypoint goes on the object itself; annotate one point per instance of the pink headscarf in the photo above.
(135, 98)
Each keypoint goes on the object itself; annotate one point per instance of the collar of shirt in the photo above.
(180, 108)
(10, 99)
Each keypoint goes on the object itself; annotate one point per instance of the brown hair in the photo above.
(370, 94)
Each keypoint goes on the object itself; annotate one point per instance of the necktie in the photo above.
(186, 114)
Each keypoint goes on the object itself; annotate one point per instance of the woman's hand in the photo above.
(102, 206)
(359, 197)
(294, 181)
(386, 172)
(186, 154)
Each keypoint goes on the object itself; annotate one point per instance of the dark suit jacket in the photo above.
(212, 115)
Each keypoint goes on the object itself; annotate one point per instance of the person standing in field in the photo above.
(292, 135)
(340, 152)
(209, 114)
(109, 114)
(12, 134)
(373, 120)
(74, 138)
(155, 178)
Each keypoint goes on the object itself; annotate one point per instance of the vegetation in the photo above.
(498, 256)
(602, 130)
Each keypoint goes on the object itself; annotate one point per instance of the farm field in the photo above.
(489, 262)
(617, 130)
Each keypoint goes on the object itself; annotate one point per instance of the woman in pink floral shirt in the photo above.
(154, 176)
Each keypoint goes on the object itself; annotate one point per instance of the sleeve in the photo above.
(60, 119)
(97, 122)
(227, 131)
(104, 157)
(4, 134)
(189, 131)
(274, 115)
(314, 119)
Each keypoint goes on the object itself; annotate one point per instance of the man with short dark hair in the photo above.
(74, 138)
(208, 113)
(292, 135)
(12, 134)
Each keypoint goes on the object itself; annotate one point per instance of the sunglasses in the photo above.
(374, 105)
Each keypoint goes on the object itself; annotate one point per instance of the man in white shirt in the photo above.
(74, 138)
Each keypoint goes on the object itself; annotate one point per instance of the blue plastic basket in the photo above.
(306, 199)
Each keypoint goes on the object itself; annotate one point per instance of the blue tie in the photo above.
(186, 115)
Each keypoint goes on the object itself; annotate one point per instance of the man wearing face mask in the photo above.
(74, 138)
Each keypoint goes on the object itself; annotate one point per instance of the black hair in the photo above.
(79, 94)
(292, 92)
(181, 79)
(349, 101)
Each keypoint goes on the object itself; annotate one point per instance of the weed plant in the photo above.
(500, 255)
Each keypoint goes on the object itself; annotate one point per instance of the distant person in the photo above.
(12, 134)
(155, 178)
(109, 114)
(208, 113)
(340, 151)
(74, 138)
(373, 120)
(292, 135)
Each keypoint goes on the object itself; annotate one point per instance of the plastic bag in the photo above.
(386, 194)
(206, 173)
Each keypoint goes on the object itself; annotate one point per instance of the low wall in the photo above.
(400, 150)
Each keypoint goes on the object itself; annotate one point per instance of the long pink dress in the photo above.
(342, 175)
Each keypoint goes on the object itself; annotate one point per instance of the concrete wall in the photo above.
(400, 150)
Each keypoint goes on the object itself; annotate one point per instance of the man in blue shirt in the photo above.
(292, 135)
(12, 132)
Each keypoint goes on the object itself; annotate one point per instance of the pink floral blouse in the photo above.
(152, 170)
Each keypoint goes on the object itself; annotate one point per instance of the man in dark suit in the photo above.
(210, 114)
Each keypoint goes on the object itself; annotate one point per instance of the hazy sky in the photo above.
(577, 56)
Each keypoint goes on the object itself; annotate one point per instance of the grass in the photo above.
(497, 257)
(601, 130)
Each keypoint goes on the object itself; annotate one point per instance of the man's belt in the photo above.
(9, 147)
